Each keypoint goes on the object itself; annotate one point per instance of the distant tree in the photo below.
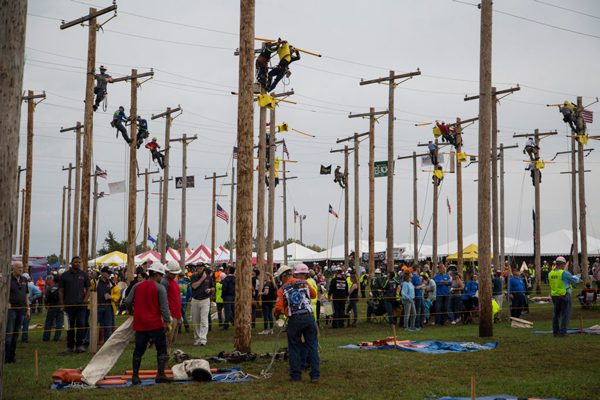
(315, 247)
(112, 244)
(171, 242)
(52, 259)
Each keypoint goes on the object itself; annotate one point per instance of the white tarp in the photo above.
(555, 243)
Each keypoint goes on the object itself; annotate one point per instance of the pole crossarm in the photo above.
(463, 121)
(390, 78)
(73, 128)
(187, 139)
(161, 180)
(130, 77)
(495, 93)
(438, 144)
(149, 173)
(214, 176)
(363, 115)
(355, 136)
(88, 17)
(411, 156)
(164, 114)
(550, 133)
(341, 150)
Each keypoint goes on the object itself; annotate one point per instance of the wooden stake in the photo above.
(13, 17)
(93, 322)
(243, 287)
(472, 387)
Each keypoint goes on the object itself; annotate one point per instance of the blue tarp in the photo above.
(589, 331)
(431, 347)
(494, 397)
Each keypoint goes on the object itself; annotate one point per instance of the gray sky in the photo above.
(192, 56)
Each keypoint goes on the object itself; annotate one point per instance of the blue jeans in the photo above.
(419, 311)
(186, 323)
(54, 318)
(442, 309)
(303, 326)
(14, 322)
(229, 311)
(76, 331)
(561, 314)
(25, 331)
(457, 307)
(267, 312)
(409, 313)
(389, 309)
(106, 320)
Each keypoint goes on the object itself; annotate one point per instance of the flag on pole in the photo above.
(296, 214)
(221, 213)
(588, 116)
(332, 212)
(100, 173)
(150, 237)
(418, 225)
(116, 187)
(448, 204)
(285, 150)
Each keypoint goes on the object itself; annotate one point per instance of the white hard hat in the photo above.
(173, 267)
(283, 269)
(157, 267)
(25, 275)
(377, 271)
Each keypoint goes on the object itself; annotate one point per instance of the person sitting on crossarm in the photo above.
(532, 149)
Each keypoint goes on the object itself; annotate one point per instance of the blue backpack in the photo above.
(297, 297)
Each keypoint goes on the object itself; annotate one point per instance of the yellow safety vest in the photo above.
(284, 52)
(219, 292)
(313, 285)
(557, 286)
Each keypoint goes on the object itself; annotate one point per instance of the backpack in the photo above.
(297, 297)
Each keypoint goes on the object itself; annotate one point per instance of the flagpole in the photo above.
(327, 242)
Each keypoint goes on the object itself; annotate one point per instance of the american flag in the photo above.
(418, 225)
(296, 214)
(332, 212)
(285, 150)
(588, 116)
(100, 173)
(235, 152)
(221, 213)
(449, 207)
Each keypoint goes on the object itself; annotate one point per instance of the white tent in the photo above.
(425, 250)
(452, 247)
(555, 243)
(337, 253)
(296, 252)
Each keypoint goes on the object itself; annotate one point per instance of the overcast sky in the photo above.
(190, 45)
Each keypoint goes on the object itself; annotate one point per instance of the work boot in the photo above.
(135, 379)
(160, 373)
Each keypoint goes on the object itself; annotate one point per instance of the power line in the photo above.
(566, 9)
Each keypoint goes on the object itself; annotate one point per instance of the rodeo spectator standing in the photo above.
(73, 294)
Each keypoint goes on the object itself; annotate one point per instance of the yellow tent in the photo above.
(470, 254)
(114, 258)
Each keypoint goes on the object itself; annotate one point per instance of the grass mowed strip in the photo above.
(524, 364)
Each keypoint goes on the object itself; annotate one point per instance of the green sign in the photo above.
(381, 169)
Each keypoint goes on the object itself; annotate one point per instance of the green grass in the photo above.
(524, 364)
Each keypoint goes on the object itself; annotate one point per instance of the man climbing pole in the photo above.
(262, 63)
(142, 132)
(102, 81)
(438, 175)
(287, 55)
(532, 149)
(340, 177)
(118, 118)
(531, 167)
(448, 134)
(157, 156)
(433, 149)
(568, 111)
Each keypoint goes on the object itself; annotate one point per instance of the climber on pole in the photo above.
(102, 81)
(262, 63)
(159, 157)
(118, 118)
(287, 55)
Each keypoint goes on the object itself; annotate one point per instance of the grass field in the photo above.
(524, 364)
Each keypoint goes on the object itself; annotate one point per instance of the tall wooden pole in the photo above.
(372, 192)
(347, 214)
(182, 254)
(231, 211)
(486, 327)
(271, 199)
(61, 258)
(15, 232)
(243, 287)
(261, 187)
(77, 200)
(574, 227)
(145, 233)
(213, 227)
(69, 190)
(459, 202)
(537, 221)
(494, 154)
(584, 262)
(28, 178)
(390, 176)
(356, 207)
(285, 246)
(500, 266)
(415, 211)
(131, 212)
(13, 16)
(434, 256)
(94, 217)
(22, 224)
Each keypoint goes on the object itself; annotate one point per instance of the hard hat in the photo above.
(154, 139)
(102, 68)
(566, 102)
(282, 270)
(25, 275)
(157, 267)
(173, 267)
(122, 108)
(61, 271)
(559, 259)
(301, 269)
(377, 271)
(338, 269)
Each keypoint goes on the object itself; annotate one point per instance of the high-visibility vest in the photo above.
(313, 285)
(219, 292)
(284, 52)
(557, 286)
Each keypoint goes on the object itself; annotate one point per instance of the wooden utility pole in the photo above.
(346, 150)
(61, 258)
(301, 217)
(213, 232)
(13, 17)
(69, 190)
(88, 124)
(271, 200)
(22, 221)
(30, 99)
(285, 179)
(494, 167)
(355, 138)
(243, 287)
(537, 221)
(76, 206)
(371, 114)
(146, 173)
(162, 236)
(503, 148)
(15, 238)
(486, 325)
(574, 220)
(185, 141)
(261, 186)
(584, 262)
(391, 82)
(95, 197)
(232, 205)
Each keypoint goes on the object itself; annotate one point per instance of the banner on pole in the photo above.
(381, 168)
(179, 182)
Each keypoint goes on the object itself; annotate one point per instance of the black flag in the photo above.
(325, 170)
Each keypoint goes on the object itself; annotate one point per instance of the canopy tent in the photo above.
(555, 244)
(470, 254)
(196, 257)
(337, 253)
(452, 247)
(151, 256)
(425, 250)
(113, 258)
(223, 256)
(295, 251)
